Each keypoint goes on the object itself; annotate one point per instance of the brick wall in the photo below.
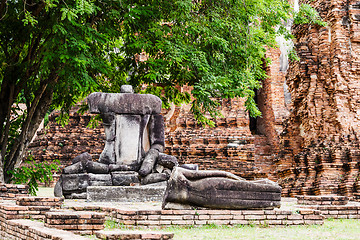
(63, 143)
(320, 144)
(152, 219)
(28, 229)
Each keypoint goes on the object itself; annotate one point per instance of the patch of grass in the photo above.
(111, 224)
(333, 229)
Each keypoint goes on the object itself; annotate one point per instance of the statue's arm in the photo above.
(193, 175)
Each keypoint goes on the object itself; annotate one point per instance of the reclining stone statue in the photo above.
(220, 190)
(134, 131)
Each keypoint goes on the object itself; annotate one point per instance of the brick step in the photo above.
(28, 229)
(134, 234)
(9, 210)
(79, 222)
(54, 202)
(322, 200)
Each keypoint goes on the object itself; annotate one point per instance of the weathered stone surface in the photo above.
(126, 193)
(75, 168)
(126, 89)
(154, 178)
(58, 189)
(134, 132)
(96, 167)
(149, 162)
(122, 167)
(100, 180)
(124, 103)
(74, 182)
(84, 157)
(190, 166)
(167, 161)
(128, 139)
(124, 178)
(220, 190)
(82, 195)
(108, 154)
(157, 126)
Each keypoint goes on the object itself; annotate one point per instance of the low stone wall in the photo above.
(54, 202)
(161, 218)
(11, 191)
(331, 206)
(338, 212)
(134, 234)
(9, 210)
(322, 200)
(28, 207)
(81, 222)
(27, 229)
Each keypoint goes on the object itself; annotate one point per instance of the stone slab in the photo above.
(125, 193)
(134, 234)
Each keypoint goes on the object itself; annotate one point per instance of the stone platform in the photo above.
(145, 193)
(138, 215)
(150, 215)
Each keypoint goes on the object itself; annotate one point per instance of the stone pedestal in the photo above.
(143, 193)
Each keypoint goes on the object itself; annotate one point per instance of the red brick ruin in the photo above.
(307, 138)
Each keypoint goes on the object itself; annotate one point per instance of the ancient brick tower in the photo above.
(309, 142)
(321, 153)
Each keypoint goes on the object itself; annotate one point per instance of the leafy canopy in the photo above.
(53, 53)
(218, 47)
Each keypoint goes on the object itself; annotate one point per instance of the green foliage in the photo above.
(32, 173)
(111, 224)
(54, 53)
(217, 47)
(307, 14)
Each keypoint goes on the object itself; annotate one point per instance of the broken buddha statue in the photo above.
(134, 132)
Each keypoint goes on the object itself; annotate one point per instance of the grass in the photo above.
(332, 229)
(342, 229)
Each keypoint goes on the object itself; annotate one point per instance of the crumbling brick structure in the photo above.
(63, 143)
(320, 145)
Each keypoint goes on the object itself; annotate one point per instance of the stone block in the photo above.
(100, 179)
(134, 234)
(125, 193)
(74, 182)
(124, 178)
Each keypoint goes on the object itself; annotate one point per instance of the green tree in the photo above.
(55, 52)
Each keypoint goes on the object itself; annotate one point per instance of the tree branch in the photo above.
(3, 6)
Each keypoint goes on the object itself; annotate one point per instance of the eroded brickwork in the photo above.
(229, 145)
(321, 141)
(63, 143)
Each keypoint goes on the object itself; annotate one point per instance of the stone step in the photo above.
(79, 222)
(39, 201)
(133, 234)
